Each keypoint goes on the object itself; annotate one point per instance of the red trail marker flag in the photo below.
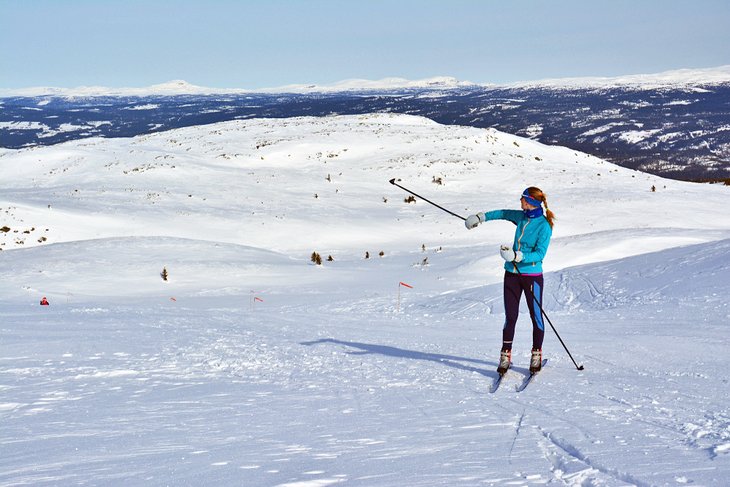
(253, 299)
(402, 284)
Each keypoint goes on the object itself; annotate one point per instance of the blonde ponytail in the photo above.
(548, 214)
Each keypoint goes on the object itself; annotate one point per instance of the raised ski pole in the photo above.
(392, 181)
(539, 305)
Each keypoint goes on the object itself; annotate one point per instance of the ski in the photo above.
(496, 383)
(529, 378)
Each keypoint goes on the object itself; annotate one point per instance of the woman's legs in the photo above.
(514, 285)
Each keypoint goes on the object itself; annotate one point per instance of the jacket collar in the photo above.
(535, 213)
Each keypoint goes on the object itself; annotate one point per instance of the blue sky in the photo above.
(257, 44)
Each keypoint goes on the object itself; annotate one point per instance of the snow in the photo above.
(126, 379)
(601, 129)
(48, 131)
(64, 127)
(691, 79)
(23, 126)
(534, 130)
(180, 87)
(636, 136)
(678, 78)
(171, 88)
(147, 106)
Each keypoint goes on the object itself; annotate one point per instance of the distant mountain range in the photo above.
(674, 124)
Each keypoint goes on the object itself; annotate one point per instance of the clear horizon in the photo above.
(257, 45)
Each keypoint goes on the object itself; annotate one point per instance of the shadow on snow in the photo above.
(448, 360)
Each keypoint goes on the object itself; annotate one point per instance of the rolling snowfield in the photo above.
(253, 366)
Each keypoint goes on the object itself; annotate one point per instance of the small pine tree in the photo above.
(163, 274)
(330, 259)
(316, 258)
(367, 255)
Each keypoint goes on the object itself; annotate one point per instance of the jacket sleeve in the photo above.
(511, 215)
(537, 253)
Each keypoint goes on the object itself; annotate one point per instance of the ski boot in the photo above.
(536, 360)
(505, 360)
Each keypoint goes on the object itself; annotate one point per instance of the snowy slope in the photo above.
(327, 378)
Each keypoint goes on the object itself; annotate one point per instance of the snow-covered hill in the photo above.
(674, 124)
(251, 365)
(677, 78)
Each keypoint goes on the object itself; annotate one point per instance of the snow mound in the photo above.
(692, 277)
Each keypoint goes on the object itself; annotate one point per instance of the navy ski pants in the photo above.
(514, 285)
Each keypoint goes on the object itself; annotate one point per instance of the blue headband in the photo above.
(530, 200)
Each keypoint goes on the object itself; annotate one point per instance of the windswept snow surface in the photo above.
(253, 366)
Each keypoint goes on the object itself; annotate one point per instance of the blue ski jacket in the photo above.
(532, 238)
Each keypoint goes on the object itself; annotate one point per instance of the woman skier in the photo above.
(523, 269)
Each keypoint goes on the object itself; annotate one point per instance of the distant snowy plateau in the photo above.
(674, 124)
(253, 366)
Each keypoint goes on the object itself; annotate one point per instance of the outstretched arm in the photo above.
(510, 215)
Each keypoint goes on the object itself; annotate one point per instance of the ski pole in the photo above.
(579, 367)
(539, 305)
(392, 181)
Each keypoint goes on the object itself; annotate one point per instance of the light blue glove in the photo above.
(510, 255)
(474, 220)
